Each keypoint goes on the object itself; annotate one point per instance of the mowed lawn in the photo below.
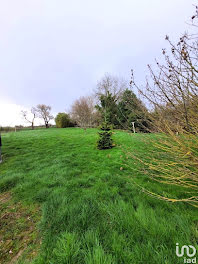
(65, 201)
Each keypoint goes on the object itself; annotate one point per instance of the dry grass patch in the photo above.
(18, 230)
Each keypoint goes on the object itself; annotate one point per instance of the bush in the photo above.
(105, 137)
(63, 120)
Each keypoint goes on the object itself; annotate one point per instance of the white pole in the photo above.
(133, 124)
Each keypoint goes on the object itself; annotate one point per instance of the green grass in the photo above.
(91, 211)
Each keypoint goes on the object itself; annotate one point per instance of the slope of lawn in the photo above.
(89, 209)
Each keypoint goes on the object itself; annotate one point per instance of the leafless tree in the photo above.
(29, 117)
(110, 84)
(173, 95)
(43, 111)
(174, 89)
(83, 112)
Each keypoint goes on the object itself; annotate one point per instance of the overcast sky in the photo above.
(53, 51)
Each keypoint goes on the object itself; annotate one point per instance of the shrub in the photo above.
(105, 137)
(63, 120)
(173, 96)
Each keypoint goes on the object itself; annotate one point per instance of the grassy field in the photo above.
(65, 201)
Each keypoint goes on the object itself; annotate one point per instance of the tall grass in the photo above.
(91, 210)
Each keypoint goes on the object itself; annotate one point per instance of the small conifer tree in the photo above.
(105, 140)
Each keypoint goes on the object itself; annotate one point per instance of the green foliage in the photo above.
(63, 120)
(105, 140)
(122, 111)
(108, 109)
(131, 109)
